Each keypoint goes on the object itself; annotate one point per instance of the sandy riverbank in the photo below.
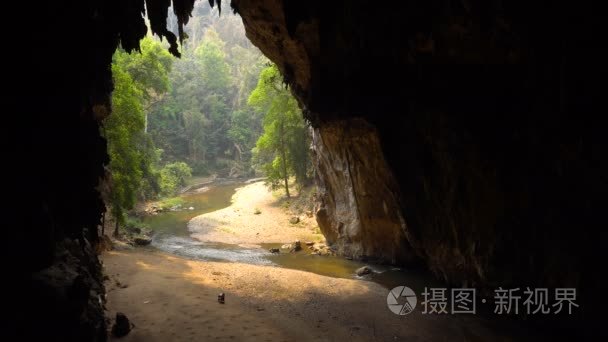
(174, 299)
(239, 224)
(169, 298)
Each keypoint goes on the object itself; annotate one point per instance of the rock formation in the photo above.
(461, 134)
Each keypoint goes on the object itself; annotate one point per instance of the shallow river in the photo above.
(171, 235)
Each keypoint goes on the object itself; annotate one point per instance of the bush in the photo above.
(171, 202)
(173, 176)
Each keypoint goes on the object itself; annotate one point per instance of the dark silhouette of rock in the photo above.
(297, 246)
(122, 325)
(363, 271)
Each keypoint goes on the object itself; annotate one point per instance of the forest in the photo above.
(221, 109)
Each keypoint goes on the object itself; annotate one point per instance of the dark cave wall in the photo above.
(488, 114)
(60, 90)
(60, 86)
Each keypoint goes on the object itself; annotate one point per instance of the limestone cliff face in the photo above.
(358, 207)
(459, 132)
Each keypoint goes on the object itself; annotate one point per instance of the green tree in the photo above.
(282, 149)
(149, 69)
(123, 129)
(139, 78)
(215, 71)
(216, 79)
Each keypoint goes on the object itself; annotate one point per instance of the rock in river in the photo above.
(363, 271)
(142, 240)
(292, 247)
(297, 245)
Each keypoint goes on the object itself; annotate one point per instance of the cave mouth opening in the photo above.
(185, 132)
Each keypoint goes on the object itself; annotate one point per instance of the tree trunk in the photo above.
(116, 229)
(284, 157)
(238, 149)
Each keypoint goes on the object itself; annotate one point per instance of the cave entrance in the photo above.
(211, 181)
(187, 133)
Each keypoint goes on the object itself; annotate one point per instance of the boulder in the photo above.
(363, 271)
(309, 243)
(121, 326)
(292, 247)
(294, 220)
(142, 240)
(297, 246)
(323, 252)
(274, 250)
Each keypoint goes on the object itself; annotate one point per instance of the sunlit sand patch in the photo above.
(271, 283)
(144, 265)
(240, 224)
(113, 252)
(249, 245)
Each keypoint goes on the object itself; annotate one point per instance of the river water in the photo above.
(171, 235)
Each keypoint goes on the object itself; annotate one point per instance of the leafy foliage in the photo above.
(149, 69)
(123, 130)
(173, 177)
(282, 150)
(138, 78)
(204, 120)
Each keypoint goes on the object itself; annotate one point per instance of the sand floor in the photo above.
(238, 224)
(169, 298)
(173, 299)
